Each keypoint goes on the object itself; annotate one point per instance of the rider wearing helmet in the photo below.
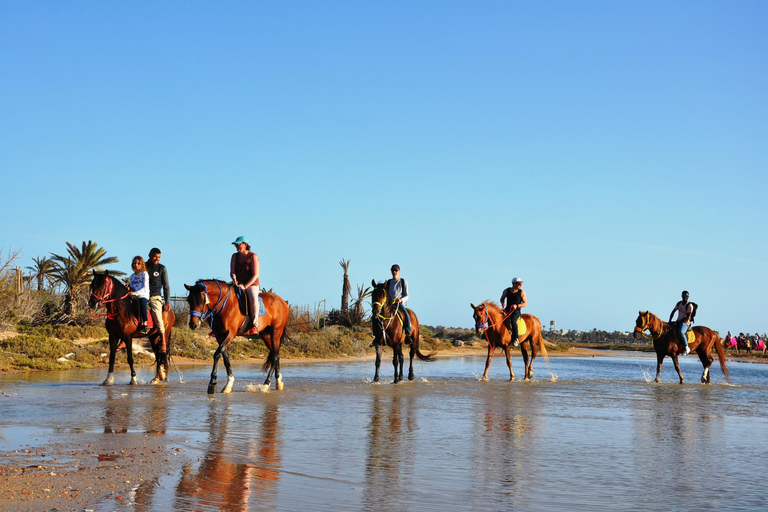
(684, 310)
(515, 300)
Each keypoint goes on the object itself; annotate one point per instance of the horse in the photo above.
(760, 344)
(731, 342)
(665, 343)
(217, 302)
(122, 325)
(387, 326)
(490, 322)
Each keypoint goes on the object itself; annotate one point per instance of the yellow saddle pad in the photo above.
(691, 336)
(521, 329)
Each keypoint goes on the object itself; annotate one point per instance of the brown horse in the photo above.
(489, 322)
(666, 344)
(387, 325)
(122, 325)
(217, 302)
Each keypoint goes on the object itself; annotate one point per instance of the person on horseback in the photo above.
(139, 285)
(159, 289)
(397, 290)
(684, 309)
(244, 270)
(515, 300)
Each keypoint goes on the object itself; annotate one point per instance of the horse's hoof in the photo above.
(228, 388)
(134, 382)
(211, 389)
(155, 381)
(410, 377)
(279, 384)
(108, 382)
(375, 379)
(485, 378)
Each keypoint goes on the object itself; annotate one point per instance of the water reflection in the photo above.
(240, 469)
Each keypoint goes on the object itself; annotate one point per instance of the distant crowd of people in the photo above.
(745, 342)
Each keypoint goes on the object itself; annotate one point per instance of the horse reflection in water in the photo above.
(506, 435)
(674, 430)
(235, 475)
(390, 437)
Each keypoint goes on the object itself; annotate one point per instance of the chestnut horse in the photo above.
(387, 326)
(122, 325)
(217, 302)
(665, 343)
(490, 322)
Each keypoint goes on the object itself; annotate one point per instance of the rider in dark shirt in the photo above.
(515, 300)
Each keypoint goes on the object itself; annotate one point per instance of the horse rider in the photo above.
(684, 309)
(515, 300)
(397, 290)
(244, 270)
(159, 291)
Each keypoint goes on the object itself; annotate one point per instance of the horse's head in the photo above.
(378, 302)
(198, 303)
(102, 289)
(480, 315)
(643, 323)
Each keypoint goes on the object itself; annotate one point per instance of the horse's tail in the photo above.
(543, 347)
(721, 357)
(423, 357)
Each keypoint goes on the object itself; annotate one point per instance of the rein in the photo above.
(651, 338)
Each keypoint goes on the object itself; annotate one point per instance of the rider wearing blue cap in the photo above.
(244, 270)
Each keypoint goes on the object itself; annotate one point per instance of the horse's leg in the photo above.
(705, 356)
(529, 372)
(526, 360)
(488, 361)
(659, 362)
(398, 361)
(509, 363)
(411, 353)
(378, 362)
(113, 340)
(153, 342)
(277, 336)
(212, 382)
(677, 368)
(129, 350)
(228, 366)
(271, 358)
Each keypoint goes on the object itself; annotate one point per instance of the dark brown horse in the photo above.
(122, 325)
(665, 343)
(217, 302)
(489, 323)
(387, 325)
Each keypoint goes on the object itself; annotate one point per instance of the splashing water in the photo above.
(552, 377)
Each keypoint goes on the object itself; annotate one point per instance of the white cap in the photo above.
(517, 280)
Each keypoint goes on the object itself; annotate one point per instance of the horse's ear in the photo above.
(189, 288)
(473, 306)
(373, 283)
(640, 313)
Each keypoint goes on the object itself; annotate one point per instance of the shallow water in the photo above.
(586, 434)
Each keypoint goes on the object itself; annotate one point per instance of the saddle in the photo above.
(134, 308)
(522, 330)
(242, 301)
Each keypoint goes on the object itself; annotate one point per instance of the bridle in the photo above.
(647, 326)
(211, 310)
(486, 324)
(104, 299)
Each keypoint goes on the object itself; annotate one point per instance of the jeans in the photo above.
(684, 329)
(406, 318)
(143, 310)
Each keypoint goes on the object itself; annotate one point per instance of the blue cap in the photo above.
(241, 240)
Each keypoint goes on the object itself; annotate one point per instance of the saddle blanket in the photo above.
(691, 336)
(521, 329)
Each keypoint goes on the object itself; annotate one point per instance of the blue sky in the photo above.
(609, 153)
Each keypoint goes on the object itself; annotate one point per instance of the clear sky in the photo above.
(609, 153)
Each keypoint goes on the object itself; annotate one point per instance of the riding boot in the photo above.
(687, 349)
(408, 339)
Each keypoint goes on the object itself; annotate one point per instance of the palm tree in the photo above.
(42, 270)
(356, 318)
(74, 270)
(345, 289)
